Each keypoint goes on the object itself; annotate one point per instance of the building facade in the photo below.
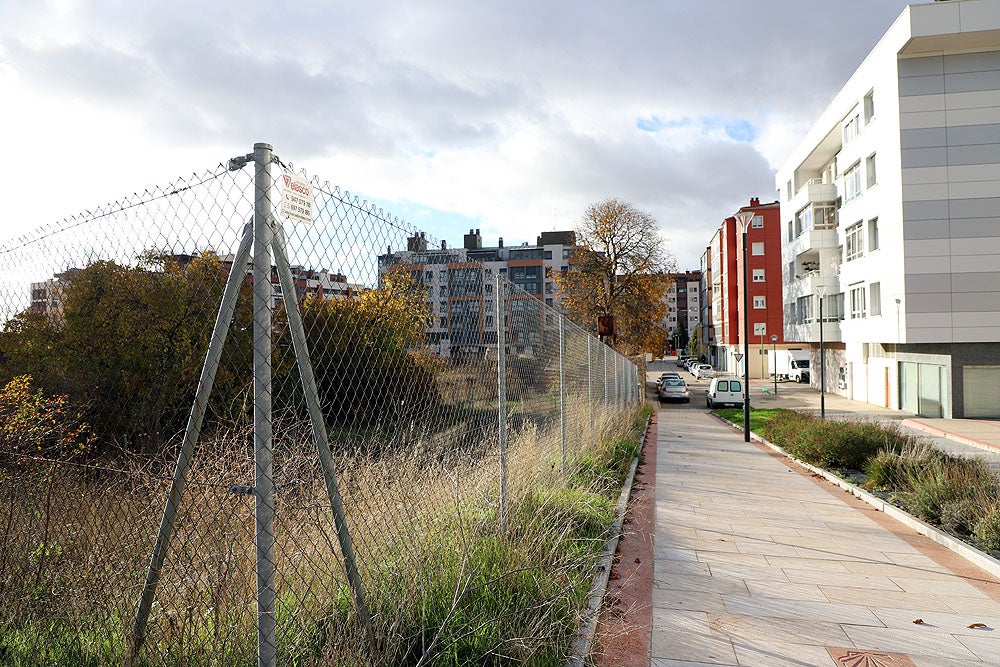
(764, 290)
(461, 283)
(891, 218)
(684, 302)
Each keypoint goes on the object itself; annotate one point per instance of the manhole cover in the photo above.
(852, 657)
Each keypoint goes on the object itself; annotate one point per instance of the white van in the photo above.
(725, 391)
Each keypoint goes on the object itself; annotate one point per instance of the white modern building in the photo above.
(890, 212)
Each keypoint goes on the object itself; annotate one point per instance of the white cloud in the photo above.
(515, 115)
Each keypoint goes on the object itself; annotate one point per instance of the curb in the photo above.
(969, 553)
(918, 425)
(584, 636)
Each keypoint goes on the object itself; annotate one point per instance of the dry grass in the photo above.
(448, 577)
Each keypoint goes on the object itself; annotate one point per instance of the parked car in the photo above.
(669, 375)
(703, 371)
(724, 391)
(682, 360)
(674, 390)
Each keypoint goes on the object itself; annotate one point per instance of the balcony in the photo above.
(813, 191)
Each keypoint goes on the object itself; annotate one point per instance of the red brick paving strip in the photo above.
(626, 621)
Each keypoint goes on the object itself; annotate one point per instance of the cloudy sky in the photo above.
(510, 116)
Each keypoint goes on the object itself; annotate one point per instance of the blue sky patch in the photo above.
(737, 129)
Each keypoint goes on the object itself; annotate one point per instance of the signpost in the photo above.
(296, 198)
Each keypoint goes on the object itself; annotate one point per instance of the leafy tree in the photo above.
(618, 268)
(693, 344)
(368, 354)
(129, 344)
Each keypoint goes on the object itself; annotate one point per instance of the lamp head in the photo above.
(744, 218)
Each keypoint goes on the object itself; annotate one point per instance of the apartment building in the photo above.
(460, 284)
(891, 215)
(684, 301)
(764, 291)
(706, 328)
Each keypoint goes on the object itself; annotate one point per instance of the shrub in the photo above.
(36, 424)
(832, 443)
(987, 529)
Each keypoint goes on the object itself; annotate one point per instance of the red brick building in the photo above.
(764, 290)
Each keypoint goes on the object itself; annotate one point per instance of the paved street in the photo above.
(758, 563)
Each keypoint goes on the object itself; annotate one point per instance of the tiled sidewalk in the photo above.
(759, 564)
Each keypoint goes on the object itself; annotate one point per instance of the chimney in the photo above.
(473, 241)
(755, 201)
(500, 242)
(444, 245)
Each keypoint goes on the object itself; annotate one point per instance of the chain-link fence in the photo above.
(226, 438)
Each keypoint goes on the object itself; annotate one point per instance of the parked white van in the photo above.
(725, 391)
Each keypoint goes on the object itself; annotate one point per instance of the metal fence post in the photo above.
(263, 453)
(562, 388)
(502, 393)
(590, 381)
(604, 351)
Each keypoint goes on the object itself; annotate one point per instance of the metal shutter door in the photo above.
(981, 390)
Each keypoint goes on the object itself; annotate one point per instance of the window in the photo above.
(548, 254)
(442, 275)
(870, 170)
(851, 128)
(833, 307)
(442, 305)
(803, 220)
(430, 291)
(443, 291)
(759, 328)
(444, 321)
(548, 302)
(758, 275)
(873, 234)
(791, 231)
(566, 253)
(429, 275)
(757, 248)
(759, 302)
(852, 182)
(757, 222)
(855, 243)
(788, 189)
(869, 106)
(804, 308)
(875, 299)
(791, 271)
(489, 320)
(858, 302)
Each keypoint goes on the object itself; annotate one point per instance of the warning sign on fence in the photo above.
(296, 198)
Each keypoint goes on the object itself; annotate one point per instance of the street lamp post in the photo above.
(774, 363)
(744, 218)
(822, 357)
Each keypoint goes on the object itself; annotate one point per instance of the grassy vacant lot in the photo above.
(960, 495)
(448, 577)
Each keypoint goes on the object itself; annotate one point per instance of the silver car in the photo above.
(674, 390)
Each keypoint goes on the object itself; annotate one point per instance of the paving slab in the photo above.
(758, 563)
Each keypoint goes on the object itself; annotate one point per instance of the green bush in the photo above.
(832, 443)
(987, 529)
